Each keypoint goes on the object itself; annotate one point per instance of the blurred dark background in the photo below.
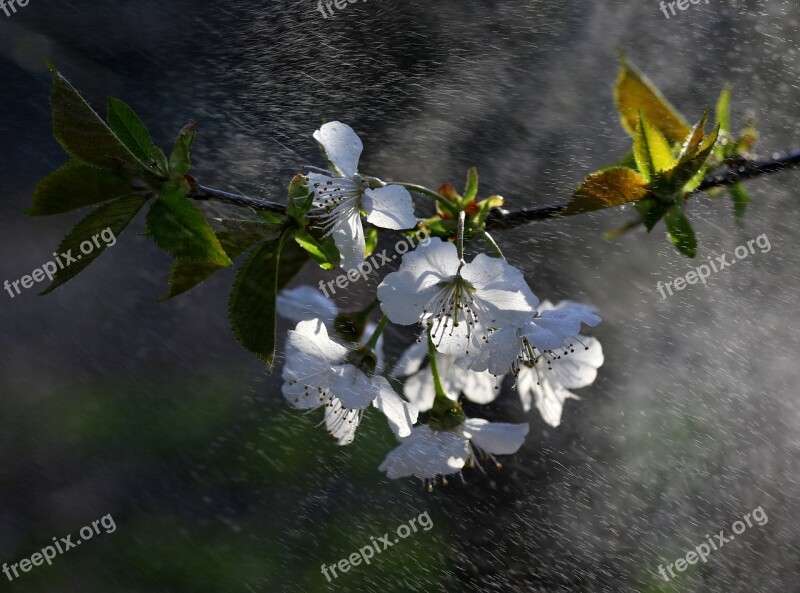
(113, 403)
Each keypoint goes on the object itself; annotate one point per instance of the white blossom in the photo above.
(339, 200)
(419, 388)
(461, 302)
(429, 453)
(548, 385)
(322, 372)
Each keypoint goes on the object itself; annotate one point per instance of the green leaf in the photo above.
(325, 259)
(633, 92)
(724, 110)
(651, 149)
(651, 211)
(252, 305)
(114, 216)
(180, 161)
(130, 130)
(76, 185)
(740, 199)
(689, 171)
(680, 231)
(237, 237)
(83, 133)
(603, 189)
(370, 240)
(180, 229)
(471, 190)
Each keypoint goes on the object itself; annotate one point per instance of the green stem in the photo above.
(437, 382)
(373, 340)
(492, 244)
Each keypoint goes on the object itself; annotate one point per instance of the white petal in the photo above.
(304, 303)
(550, 397)
(420, 390)
(427, 454)
(480, 388)
(412, 359)
(578, 368)
(526, 380)
(352, 387)
(389, 207)
(497, 355)
(348, 234)
(497, 438)
(341, 422)
(407, 293)
(342, 146)
(502, 288)
(309, 340)
(400, 414)
(558, 325)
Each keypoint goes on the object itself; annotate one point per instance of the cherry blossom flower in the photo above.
(322, 372)
(339, 200)
(461, 302)
(429, 453)
(304, 303)
(419, 388)
(548, 385)
(551, 334)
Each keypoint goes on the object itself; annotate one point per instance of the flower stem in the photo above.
(421, 189)
(492, 244)
(437, 382)
(446, 414)
(373, 340)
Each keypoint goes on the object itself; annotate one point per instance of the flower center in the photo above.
(456, 305)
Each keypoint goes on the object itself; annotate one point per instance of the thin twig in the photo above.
(506, 219)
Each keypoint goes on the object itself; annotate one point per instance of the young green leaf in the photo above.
(651, 211)
(114, 215)
(603, 189)
(236, 237)
(370, 241)
(691, 167)
(740, 199)
(651, 149)
(130, 130)
(180, 161)
(724, 110)
(680, 231)
(180, 229)
(633, 92)
(252, 305)
(471, 190)
(83, 133)
(325, 259)
(76, 185)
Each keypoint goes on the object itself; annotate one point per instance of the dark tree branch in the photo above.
(506, 219)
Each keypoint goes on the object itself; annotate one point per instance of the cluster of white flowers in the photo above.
(480, 322)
